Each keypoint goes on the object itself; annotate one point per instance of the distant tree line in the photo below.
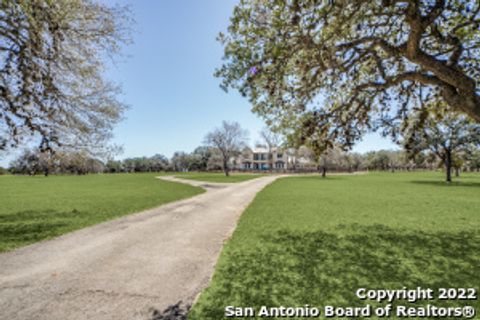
(382, 160)
(33, 162)
(451, 144)
(206, 158)
(202, 158)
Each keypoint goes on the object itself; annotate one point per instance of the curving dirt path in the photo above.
(126, 268)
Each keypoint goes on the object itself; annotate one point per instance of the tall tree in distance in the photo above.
(52, 58)
(447, 136)
(352, 65)
(229, 139)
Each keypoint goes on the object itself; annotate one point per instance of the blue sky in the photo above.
(167, 78)
(169, 84)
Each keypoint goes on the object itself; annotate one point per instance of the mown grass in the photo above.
(307, 240)
(38, 208)
(218, 177)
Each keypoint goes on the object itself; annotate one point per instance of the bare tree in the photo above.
(229, 140)
(51, 72)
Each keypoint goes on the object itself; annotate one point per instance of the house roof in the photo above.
(263, 150)
(259, 150)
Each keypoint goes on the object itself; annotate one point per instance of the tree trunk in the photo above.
(270, 156)
(448, 166)
(457, 172)
(225, 167)
(324, 172)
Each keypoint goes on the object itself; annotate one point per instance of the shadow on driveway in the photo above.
(173, 312)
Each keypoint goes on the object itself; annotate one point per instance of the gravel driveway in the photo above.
(130, 268)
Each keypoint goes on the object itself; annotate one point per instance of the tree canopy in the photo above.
(52, 58)
(348, 66)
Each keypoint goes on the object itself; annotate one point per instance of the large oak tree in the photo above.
(347, 66)
(52, 84)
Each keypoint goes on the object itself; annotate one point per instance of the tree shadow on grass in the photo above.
(329, 176)
(446, 184)
(326, 268)
(30, 226)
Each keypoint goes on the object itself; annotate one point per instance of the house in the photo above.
(263, 159)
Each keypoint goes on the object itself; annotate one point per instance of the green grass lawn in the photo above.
(218, 177)
(38, 208)
(307, 240)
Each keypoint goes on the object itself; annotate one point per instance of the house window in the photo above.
(279, 155)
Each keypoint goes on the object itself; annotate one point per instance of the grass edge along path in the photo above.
(218, 177)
